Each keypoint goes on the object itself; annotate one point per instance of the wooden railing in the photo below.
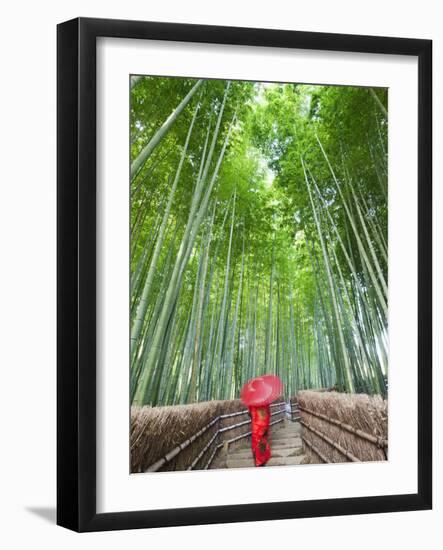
(330, 438)
(378, 441)
(203, 458)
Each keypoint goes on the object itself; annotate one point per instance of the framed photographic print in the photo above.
(244, 274)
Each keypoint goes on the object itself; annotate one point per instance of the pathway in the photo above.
(286, 449)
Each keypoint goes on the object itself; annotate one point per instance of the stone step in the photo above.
(284, 444)
(275, 451)
(286, 429)
(274, 461)
(291, 425)
(280, 453)
(281, 430)
(283, 436)
(290, 432)
(275, 444)
(295, 441)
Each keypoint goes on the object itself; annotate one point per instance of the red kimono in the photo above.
(260, 417)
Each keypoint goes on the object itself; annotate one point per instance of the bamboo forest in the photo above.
(258, 238)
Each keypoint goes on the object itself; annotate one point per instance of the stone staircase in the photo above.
(286, 449)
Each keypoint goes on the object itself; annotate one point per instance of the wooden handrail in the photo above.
(176, 450)
(229, 441)
(179, 448)
(246, 411)
(314, 448)
(232, 426)
(378, 441)
(336, 446)
(202, 452)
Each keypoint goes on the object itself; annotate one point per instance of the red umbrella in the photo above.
(261, 391)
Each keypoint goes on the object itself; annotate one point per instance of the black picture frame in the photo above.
(76, 274)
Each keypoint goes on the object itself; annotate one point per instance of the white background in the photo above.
(27, 289)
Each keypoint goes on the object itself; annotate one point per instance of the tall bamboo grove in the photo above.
(258, 238)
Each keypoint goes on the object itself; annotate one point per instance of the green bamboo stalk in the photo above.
(144, 300)
(145, 153)
(347, 370)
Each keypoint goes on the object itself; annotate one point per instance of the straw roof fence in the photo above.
(183, 437)
(340, 427)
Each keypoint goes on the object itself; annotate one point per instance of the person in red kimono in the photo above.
(260, 418)
(258, 394)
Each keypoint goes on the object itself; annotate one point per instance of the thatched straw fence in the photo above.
(188, 437)
(340, 427)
